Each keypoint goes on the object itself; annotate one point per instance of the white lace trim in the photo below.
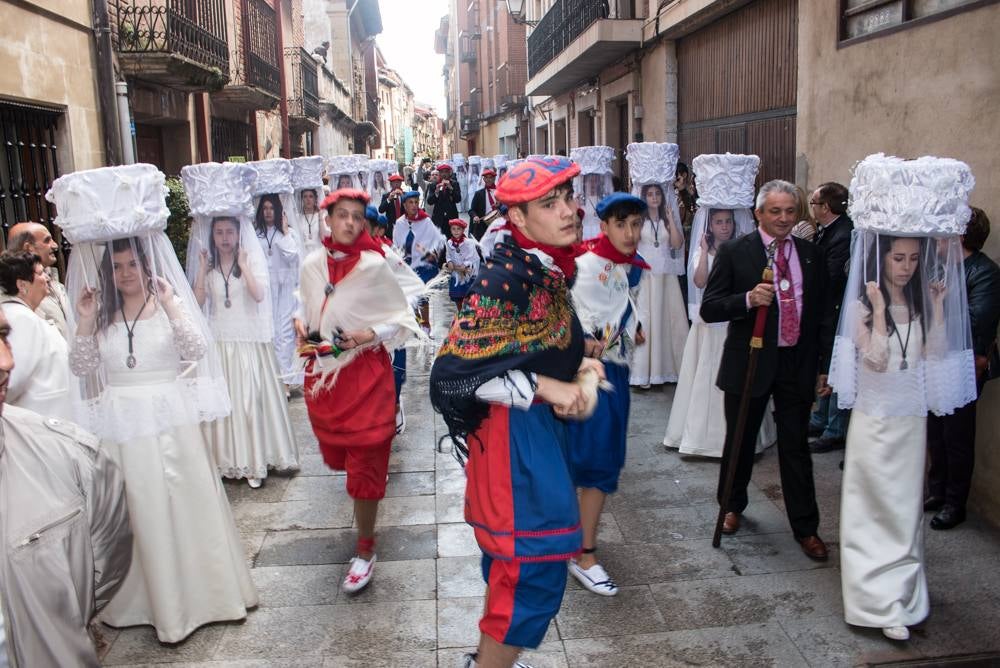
(651, 162)
(593, 159)
(926, 196)
(259, 472)
(307, 172)
(726, 180)
(110, 202)
(273, 176)
(219, 189)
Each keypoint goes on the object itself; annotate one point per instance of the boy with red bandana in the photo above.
(503, 382)
(462, 260)
(353, 315)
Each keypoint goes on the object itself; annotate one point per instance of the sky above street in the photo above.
(407, 43)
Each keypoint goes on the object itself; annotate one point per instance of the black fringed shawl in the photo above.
(517, 316)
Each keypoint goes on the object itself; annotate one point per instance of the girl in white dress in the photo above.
(903, 348)
(148, 376)
(281, 249)
(230, 283)
(592, 184)
(697, 424)
(305, 216)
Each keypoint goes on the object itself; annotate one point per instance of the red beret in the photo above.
(345, 193)
(529, 180)
(395, 177)
(488, 172)
(443, 166)
(458, 221)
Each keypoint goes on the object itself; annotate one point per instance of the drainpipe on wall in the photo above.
(286, 139)
(125, 124)
(106, 83)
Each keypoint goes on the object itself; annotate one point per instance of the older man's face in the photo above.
(43, 245)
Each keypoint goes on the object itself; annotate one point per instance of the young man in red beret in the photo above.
(484, 202)
(445, 198)
(504, 383)
(392, 202)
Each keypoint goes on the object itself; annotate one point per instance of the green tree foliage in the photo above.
(179, 222)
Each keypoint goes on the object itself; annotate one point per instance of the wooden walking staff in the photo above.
(756, 343)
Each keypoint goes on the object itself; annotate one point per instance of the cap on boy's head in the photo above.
(410, 195)
(457, 221)
(488, 172)
(382, 221)
(394, 178)
(344, 193)
(371, 213)
(619, 205)
(534, 177)
(443, 167)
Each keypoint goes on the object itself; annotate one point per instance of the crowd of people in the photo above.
(140, 384)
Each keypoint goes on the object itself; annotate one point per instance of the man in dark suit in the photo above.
(445, 197)
(828, 204)
(797, 343)
(483, 202)
(392, 202)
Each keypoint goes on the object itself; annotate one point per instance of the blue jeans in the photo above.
(829, 418)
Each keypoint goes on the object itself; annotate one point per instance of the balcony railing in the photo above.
(259, 46)
(562, 24)
(193, 31)
(304, 99)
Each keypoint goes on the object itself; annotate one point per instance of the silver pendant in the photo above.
(784, 284)
(903, 366)
(656, 244)
(270, 252)
(130, 361)
(228, 303)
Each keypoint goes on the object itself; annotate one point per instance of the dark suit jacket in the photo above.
(392, 210)
(836, 243)
(478, 206)
(739, 265)
(445, 208)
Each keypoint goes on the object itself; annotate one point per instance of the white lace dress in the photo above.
(188, 566)
(881, 509)
(257, 435)
(697, 424)
(661, 309)
(283, 263)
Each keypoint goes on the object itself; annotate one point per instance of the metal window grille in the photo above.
(232, 139)
(562, 24)
(260, 46)
(304, 98)
(28, 165)
(861, 19)
(195, 29)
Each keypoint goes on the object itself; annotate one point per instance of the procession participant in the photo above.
(593, 183)
(391, 203)
(41, 381)
(432, 181)
(148, 377)
(305, 216)
(380, 173)
(503, 383)
(228, 272)
(475, 180)
(353, 315)
(36, 238)
(445, 197)
(697, 424)
(282, 248)
(661, 305)
(422, 245)
(951, 439)
(500, 164)
(793, 358)
(55, 576)
(461, 175)
(462, 260)
(484, 202)
(903, 350)
(605, 296)
(496, 232)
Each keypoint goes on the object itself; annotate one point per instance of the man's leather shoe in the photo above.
(824, 444)
(814, 548)
(815, 432)
(731, 523)
(933, 503)
(948, 517)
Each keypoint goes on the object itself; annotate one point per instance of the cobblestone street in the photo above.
(758, 601)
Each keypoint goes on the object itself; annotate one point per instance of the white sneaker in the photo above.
(896, 633)
(594, 579)
(400, 418)
(254, 482)
(358, 575)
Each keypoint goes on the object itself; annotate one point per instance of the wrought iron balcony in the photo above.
(256, 78)
(303, 99)
(177, 43)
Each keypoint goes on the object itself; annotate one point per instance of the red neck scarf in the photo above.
(421, 214)
(565, 257)
(362, 243)
(457, 242)
(602, 247)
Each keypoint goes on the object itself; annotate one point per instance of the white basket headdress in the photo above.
(651, 166)
(593, 159)
(651, 162)
(273, 176)
(219, 189)
(726, 179)
(307, 172)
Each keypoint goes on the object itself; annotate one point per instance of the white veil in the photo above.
(379, 172)
(500, 165)
(923, 362)
(344, 172)
(651, 165)
(115, 217)
(725, 181)
(217, 192)
(592, 184)
(307, 175)
(472, 183)
(461, 169)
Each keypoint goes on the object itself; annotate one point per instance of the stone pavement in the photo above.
(758, 601)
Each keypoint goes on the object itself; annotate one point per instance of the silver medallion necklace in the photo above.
(225, 282)
(130, 330)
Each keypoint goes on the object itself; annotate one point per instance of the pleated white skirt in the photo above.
(658, 360)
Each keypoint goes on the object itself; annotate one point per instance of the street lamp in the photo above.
(516, 10)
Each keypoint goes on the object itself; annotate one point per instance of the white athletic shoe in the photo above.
(594, 579)
(254, 482)
(896, 633)
(358, 575)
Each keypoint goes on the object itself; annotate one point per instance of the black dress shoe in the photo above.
(948, 517)
(815, 432)
(933, 503)
(824, 444)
